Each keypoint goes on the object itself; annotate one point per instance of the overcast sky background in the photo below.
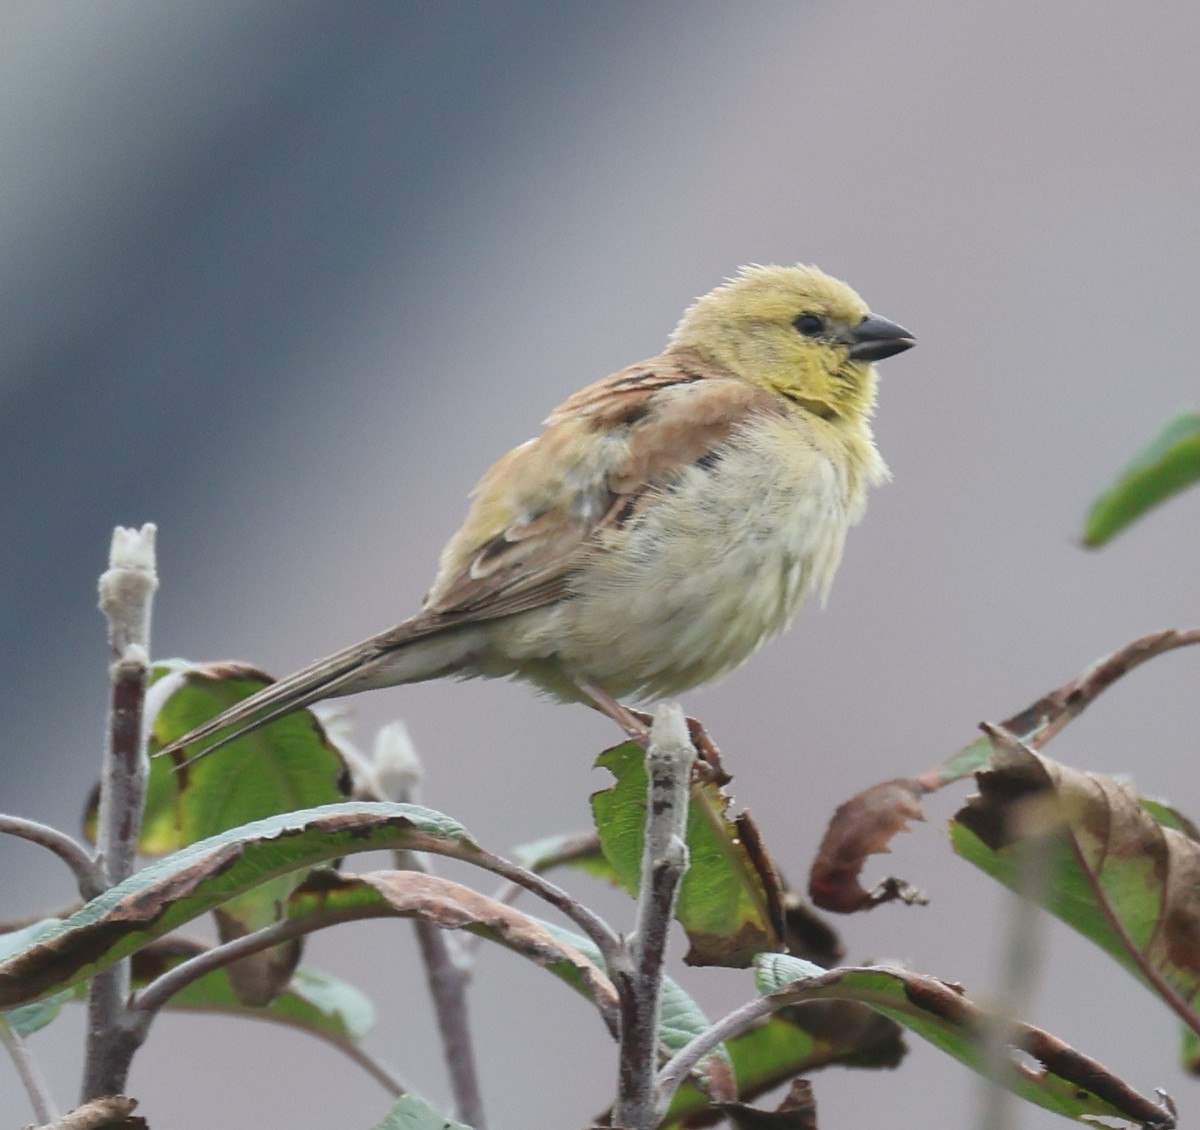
(284, 278)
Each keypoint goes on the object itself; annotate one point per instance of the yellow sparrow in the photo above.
(670, 518)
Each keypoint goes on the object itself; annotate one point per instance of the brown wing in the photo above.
(536, 514)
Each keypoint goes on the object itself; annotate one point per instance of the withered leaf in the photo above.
(861, 827)
(1064, 1080)
(866, 823)
(1104, 864)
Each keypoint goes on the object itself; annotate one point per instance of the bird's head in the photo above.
(797, 331)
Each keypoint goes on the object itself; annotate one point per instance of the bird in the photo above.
(667, 521)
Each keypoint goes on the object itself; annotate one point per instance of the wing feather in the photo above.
(539, 513)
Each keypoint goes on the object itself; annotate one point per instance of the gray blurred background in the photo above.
(285, 277)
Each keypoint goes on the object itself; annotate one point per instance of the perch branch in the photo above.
(638, 978)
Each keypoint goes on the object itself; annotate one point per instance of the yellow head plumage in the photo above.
(797, 331)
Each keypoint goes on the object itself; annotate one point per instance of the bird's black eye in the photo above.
(810, 325)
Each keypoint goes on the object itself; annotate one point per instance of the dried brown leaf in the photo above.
(798, 1111)
(861, 827)
(1107, 866)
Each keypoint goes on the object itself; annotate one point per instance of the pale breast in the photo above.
(714, 565)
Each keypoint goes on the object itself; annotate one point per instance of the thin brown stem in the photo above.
(28, 1072)
(448, 966)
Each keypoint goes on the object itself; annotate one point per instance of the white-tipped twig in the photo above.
(29, 1073)
(126, 598)
(638, 977)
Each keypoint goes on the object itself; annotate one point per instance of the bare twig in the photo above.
(448, 967)
(28, 1072)
(88, 875)
(152, 998)
(572, 847)
(126, 597)
(602, 935)
(638, 978)
(155, 996)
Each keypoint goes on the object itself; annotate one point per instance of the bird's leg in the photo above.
(636, 723)
(633, 722)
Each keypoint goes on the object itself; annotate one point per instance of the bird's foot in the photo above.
(636, 724)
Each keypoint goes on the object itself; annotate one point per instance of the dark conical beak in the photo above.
(875, 338)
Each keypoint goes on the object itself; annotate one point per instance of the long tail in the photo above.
(382, 660)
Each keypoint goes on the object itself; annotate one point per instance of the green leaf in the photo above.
(797, 1041)
(313, 1002)
(1189, 1052)
(31, 1017)
(1065, 1081)
(729, 900)
(202, 876)
(413, 1113)
(1084, 846)
(282, 767)
(1167, 465)
(286, 766)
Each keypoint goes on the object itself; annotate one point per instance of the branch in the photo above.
(605, 939)
(155, 995)
(28, 1072)
(126, 597)
(448, 967)
(740, 1020)
(638, 978)
(88, 875)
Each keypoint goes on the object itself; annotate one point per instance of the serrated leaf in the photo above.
(1065, 1081)
(202, 876)
(729, 901)
(283, 767)
(1168, 464)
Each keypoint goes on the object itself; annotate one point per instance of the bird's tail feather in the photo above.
(380, 661)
